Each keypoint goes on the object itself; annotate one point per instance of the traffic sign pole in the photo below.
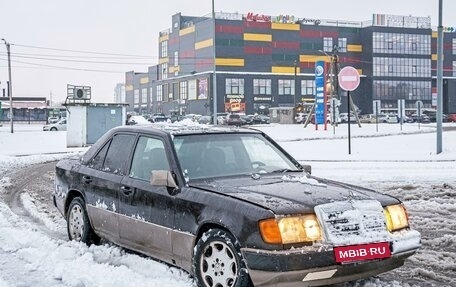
(349, 135)
(349, 80)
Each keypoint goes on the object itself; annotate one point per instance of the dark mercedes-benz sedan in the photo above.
(231, 207)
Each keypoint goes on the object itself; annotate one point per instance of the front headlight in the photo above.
(292, 229)
(396, 217)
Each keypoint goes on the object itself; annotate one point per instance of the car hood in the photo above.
(289, 193)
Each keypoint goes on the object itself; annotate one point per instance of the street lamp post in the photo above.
(439, 80)
(10, 84)
(214, 77)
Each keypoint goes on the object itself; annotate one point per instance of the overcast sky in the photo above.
(110, 27)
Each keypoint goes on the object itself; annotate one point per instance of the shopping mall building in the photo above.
(263, 61)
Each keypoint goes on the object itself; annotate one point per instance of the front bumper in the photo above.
(316, 266)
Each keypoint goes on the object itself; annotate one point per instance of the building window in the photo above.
(234, 86)
(401, 67)
(144, 96)
(327, 44)
(342, 45)
(454, 68)
(308, 87)
(286, 87)
(408, 90)
(164, 49)
(454, 46)
(151, 99)
(401, 43)
(159, 93)
(164, 70)
(136, 97)
(262, 86)
(176, 59)
(183, 90)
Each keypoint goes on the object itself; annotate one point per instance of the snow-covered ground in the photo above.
(401, 163)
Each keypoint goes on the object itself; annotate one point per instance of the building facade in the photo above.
(264, 61)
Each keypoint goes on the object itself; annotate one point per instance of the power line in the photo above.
(79, 61)
(78, 57)
(66, 68)
(78, 51)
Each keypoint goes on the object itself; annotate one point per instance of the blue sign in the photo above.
(320, 92)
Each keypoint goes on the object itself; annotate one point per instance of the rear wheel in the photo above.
(218, 261)
(53, 129)
(78, 224)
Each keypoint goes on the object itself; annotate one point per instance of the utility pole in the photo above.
(295, 88)
(10, 84)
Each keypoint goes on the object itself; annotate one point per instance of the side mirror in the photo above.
(163, 178)
(307, 168)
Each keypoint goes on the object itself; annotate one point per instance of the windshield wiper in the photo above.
(283, 170)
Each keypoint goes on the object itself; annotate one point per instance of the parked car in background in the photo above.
(175, 117)
(60, 125)
(432, 114)
(52, 120)
(231, 207)
(368, 119)
(234, 120)
(192, 117)
(137, 120)
(221, 118)
(344, 117)
(452, 118)
(300, 118)
(388, 118)
(159, 119)
(205, 120)
(421, 119)
(261, 119)
(247, 119)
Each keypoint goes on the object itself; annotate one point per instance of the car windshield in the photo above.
(217, 155)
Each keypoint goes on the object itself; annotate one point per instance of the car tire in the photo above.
(53, 129)
(78, 224)
(218, 261)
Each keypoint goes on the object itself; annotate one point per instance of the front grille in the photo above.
(352, 222)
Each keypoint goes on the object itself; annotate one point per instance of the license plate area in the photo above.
(362, 252)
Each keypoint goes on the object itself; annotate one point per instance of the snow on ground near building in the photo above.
(403, 164)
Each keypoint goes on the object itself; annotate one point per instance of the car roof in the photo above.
(184, 129)
(165, 129)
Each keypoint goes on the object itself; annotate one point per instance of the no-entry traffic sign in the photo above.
(348, 78)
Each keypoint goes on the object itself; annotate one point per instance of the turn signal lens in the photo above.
(396, 217)
(270, 231)
(293, 229)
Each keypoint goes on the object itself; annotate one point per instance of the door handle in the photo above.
(126, 190)
(86, 179)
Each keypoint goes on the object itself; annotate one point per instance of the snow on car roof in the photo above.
(191, 127)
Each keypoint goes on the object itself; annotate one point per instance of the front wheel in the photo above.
(218, 261)
(78, 224)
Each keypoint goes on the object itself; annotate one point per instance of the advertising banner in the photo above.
(320, 92)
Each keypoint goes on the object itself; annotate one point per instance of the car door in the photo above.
(147, 211)
(101, 179)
